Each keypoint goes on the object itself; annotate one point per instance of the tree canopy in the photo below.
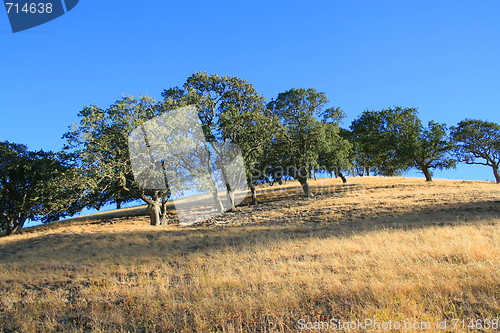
(478, 142)
(302, 139)
(230, 110)
(100, 143)
(432, 150)
(387, 139)
(34, 185)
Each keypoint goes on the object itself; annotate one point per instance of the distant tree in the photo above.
(252, 131)
(230, 110)
(359, 163)
(34, 185)
(385, 140)
(100, 143)
(432, 150)
(337, 150)
(302, 138)
(478, 142)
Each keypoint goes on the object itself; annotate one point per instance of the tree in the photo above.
(432, 150)
(230, 110)
(302, 138)
(34, 185)
(100, 143)
(337, 150)
(357, 160)
(252, 131)
(386, 139)
(478, 142)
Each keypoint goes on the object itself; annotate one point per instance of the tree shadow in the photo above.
(167, 242)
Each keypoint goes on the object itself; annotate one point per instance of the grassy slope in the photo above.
(381, 248)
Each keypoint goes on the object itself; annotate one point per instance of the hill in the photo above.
(375, 250)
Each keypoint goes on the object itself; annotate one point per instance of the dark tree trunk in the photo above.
(427, 174)
(10, 228)
(253, 191)
(367, 171)
(336, 173)
(118, 205)
(304, 182)
(15, 225)
(344, 180)
(497, 174)
(163, 220)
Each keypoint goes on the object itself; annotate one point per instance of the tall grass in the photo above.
(392, 250)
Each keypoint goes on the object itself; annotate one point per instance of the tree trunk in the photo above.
(10, 228)
(344, 180)
(15, 225)
(219, 206)
(367, 171)
(163, 217)
(253, 191)
(118, 204)
(497, 174)
(230, 195)
(153, 211)
(304, 182)
(427, 174)
(336, 173)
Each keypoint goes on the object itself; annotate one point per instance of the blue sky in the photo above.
(440, 56)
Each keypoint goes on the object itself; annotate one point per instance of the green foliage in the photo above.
(337, 152)
(386, 140)
(303, 143)
(34, 185)
(230, 110)
(478, 142)
(301, 136)
(358, 163)
(433, 150)
(100, 143)
(215, 96)
(290, 136)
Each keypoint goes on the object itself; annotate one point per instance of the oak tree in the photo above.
(478, 142)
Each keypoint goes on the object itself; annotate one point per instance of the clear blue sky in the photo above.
(440, 56)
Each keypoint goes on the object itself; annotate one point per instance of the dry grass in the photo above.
(380, 248)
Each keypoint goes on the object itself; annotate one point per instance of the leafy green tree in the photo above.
(478, 142)
(359, 164)
(302, 138)
(432, 150)
(230, 110)
(386, 140)
(100, 143)
(34, 185)
(252, 131)
(337, 150)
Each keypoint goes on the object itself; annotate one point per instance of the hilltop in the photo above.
(395, 249)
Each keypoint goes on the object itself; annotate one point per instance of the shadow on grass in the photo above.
(166, 243)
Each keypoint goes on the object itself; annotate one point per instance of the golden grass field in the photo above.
(385, 249)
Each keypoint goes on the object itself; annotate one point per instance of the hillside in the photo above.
(385, 249)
